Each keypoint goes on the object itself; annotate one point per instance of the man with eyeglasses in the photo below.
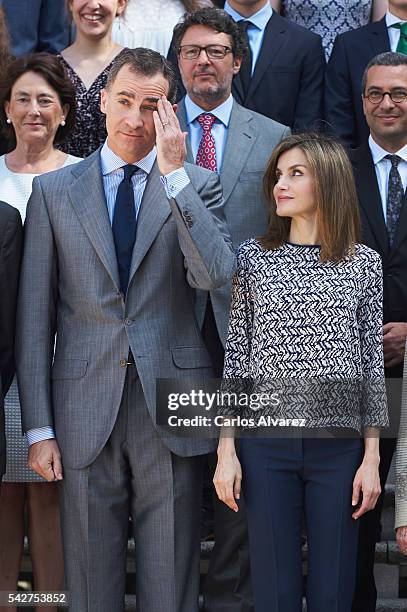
(235, 143)
(282, 75)
(380, 169)
(350, 54)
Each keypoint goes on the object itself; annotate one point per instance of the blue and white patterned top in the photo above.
(296, 319)
(328, 17)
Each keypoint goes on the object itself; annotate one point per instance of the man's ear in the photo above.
(175, 108)
(103, 100)
(237, 62)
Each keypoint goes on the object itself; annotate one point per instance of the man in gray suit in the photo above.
(236, 143)
(114, 249)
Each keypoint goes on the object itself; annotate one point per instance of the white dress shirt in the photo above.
(383, 167)
(112, 173)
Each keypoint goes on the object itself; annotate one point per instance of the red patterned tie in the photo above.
(206, 156)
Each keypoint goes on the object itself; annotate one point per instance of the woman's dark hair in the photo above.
(217, 19)
(335, 195)
(51, 69)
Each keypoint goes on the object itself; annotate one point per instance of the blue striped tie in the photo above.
(124, 225)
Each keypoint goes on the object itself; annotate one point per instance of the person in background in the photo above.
(37, 25)
(282, 76)
(87, 62)
(149, 23)
(11, 242)
(330, 17)
(212, 118)
(37, 110)
(306, 309)
(351, 53)
(380, 170)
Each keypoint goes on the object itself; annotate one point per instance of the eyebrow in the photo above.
(129, 94)
(25, 93)
(294, 166)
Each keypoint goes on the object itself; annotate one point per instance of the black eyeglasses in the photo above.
(215, 52)
(375, 97)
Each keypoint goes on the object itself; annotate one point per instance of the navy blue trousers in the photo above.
(285, 480)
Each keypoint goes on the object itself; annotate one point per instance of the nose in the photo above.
(134, 119)
(387, 102)
(34, 108)
(203, 57)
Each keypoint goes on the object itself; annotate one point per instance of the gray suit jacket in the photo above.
(250, 142)
(70, 286)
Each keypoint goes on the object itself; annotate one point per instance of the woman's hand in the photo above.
(228, 479)
(401, 536)
(367, 482)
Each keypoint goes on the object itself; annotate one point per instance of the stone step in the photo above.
(383, 605)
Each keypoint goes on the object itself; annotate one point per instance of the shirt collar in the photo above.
(110, 162)
(378, 153)
(259, 19)
(392, 19)
(221, 112)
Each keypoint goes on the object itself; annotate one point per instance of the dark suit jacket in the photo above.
(288, 80)
(374, 235)
(351, 53)
(10, 256)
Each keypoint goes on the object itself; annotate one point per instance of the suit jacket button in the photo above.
(123, 363)
(128, 321)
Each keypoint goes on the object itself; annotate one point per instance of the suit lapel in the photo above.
(379, 37)
(369, 194)
(153, 213)
(89, 201)
(273, 39)
(239, 143)
(182, 118)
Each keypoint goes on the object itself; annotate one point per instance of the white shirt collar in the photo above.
(392, 19)
(221, 112)
(259, 19)
(378, 153)
(111, 162)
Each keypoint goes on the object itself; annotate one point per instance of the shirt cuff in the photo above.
(174, 182)
(39, 434)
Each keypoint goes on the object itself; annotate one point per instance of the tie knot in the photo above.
(245, 24)
(206, 121)
(402, 27)
(129, 170)
(394, 159)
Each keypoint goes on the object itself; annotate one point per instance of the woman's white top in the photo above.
(148, 23)
(15, 187)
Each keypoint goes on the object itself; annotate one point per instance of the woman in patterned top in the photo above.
(306, 305)
(328, 18)
(87, 62)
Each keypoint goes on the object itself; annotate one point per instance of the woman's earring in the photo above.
(63, 123)
(8, 120)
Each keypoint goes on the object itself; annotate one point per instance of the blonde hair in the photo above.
(336, 198)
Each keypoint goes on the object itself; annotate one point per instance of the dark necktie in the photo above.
(402, 43)
(124, 226)
(395, 196)
(246, 66)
